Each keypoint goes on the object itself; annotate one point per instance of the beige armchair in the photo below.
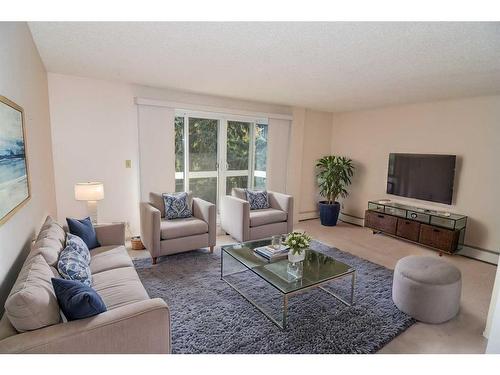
(244, 224)
(164, 237)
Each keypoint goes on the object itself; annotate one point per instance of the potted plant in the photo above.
(334, 176)
(298, 243)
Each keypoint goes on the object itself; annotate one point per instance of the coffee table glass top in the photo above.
(317, 267)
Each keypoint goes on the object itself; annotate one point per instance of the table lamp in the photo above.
(90, 192)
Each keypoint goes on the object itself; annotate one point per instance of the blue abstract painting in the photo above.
(14, 184)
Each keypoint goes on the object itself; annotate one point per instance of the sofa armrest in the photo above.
(150, 228)
(140, 327)
(110, 234)
(235, 217)
(283, 202)
(206, 211)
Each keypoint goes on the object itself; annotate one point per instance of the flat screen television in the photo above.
(422, 176)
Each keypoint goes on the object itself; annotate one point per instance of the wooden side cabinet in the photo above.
(440, 231)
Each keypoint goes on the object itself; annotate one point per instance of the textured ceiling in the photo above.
(331, 66)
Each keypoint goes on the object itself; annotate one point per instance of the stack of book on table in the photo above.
(270, 253)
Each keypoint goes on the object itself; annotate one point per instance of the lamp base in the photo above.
(92, 211)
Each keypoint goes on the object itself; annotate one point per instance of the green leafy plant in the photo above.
(334, 176)
(297, 242)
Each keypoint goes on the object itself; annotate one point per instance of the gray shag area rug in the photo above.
(208, 316)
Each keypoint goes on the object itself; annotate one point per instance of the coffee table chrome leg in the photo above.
(344, 301)
(222, 263)
(285, 311)
(353, 285)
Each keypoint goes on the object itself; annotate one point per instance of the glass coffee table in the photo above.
(318, 269)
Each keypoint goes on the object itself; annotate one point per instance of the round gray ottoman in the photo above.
(427, 288)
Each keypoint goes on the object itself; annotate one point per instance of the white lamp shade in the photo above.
(89, 191)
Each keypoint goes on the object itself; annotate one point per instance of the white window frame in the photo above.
(221, 172)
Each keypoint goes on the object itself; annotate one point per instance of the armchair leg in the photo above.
(211, 249)
(154, 260)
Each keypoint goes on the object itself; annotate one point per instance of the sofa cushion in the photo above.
(48, 248)
(84, 229)
(119, 287)
(106, 258)
(182, 227)
(76, 300)
(51, 229)
(73, 266)
(50, 242)
(32, 303)
(266, 216)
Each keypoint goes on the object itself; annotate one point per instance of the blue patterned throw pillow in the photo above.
(79, 246)
(76, 300)
(176, 205)
(258, 199)
(73, 266)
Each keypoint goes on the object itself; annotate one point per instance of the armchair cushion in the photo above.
(239, 193)
(156, 200)
(177, 205)
(266, 216)
(184, 227)
(258, 199)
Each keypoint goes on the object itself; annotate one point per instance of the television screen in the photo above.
(428, 177)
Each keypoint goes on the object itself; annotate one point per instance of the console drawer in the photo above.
(381, 222)
(440, 238)
(408, 229)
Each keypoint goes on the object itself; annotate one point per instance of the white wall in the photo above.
(316, 144)
(23, 80)
(95, 129)
(468, 128)
(310, 139)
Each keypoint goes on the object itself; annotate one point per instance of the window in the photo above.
(179, 153)
(213, 154)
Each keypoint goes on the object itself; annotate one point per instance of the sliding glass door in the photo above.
(216, 154)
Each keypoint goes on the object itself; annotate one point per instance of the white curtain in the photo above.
(156, 149)
(277, 154)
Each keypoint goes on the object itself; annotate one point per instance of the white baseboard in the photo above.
(479, 254)
(483, 255)
(308, 215)
(346, 218)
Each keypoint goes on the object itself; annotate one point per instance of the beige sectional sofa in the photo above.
(134, 323)
(165, 237)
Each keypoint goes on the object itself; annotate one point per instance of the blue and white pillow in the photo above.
(258, 199)
(73, 266)
(176, 205)
(79, 246)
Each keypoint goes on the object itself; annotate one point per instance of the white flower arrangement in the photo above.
(297, 242)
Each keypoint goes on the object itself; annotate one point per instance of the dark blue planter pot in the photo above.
(329, 213)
